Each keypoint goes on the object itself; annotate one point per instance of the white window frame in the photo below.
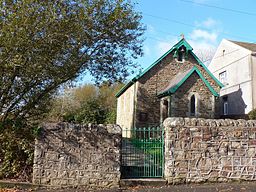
(223, 77)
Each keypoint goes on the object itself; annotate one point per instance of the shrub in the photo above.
(252, 114)
(17, 149)
(111, 117)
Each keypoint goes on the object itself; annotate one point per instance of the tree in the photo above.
(86, 104)
(91, 112)
(47, 43)
(108, 100)
(206, 55)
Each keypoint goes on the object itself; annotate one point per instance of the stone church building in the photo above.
(177, 84)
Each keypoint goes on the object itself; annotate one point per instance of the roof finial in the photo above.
(182, 36)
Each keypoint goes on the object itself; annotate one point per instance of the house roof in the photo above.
(182, 42)
(180, 78)
(249, 46)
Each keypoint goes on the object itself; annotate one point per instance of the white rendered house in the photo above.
(234, 64)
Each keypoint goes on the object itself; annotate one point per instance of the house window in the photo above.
(192, 105)
(225, 105)
(223, 77)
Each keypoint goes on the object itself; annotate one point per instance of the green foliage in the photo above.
(47, 43)
(111, 117)
(17, 148)
(252, 114)
(91, 112)
(86, 104)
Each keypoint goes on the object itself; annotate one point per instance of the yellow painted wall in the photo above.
(125, 108)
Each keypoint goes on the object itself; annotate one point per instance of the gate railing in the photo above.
(143, 152)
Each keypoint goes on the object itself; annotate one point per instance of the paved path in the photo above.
(209, 187)
(205, 187)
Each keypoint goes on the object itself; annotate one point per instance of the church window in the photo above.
(192, 105)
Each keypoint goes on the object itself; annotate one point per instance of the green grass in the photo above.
(152, 147)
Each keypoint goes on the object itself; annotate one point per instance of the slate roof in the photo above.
(175, 81)
(249, 46)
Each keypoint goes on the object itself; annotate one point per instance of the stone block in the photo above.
(173, 122)
(235, 144)
(251, 152)
(36, 173)
(72, 174)
(252, 142)
(104, 183)
(231, 152)
(49, 173)
(240, 152)
(45, 181)
(73, 182)
(83, 181)
(36, 181)
(203, 122)
(212, 123)
(206, 137)
(51, 156)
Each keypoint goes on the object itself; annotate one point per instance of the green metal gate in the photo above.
(143, 152)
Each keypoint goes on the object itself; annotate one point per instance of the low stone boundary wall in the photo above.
(198, 150)
(75, 155)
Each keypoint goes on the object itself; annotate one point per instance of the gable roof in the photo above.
(179, 79)
(249, 46)
(182, 42)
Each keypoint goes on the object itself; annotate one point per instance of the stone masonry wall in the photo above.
(198, 150)
(76, 155)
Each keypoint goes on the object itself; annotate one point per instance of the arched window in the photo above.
(192, 105)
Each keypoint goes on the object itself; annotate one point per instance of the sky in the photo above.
(204, 24)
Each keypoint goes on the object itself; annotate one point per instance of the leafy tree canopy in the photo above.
(47, 43)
